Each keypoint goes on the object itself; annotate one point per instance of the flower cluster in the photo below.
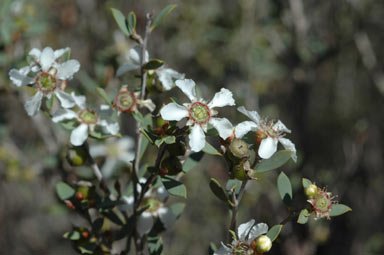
(321, 201)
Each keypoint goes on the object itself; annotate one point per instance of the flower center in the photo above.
(152, 203)
(88, 116)
(323, 202)
(199, 113)
(46, 82)
(125, 101)
(241, 248)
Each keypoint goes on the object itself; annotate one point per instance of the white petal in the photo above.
(222, 98)
(19, 77)
(32, 106)
(224, 250)
(145, 223)
(244, 127)
(167, 217)
(35, 53)
(167, 76)
(279, 126)
(147, 103)
(135, 55)
(268, 147)
(47, 58)
(289, 146)
(58, 53)
(126, 143)
(223, 126)
(188, 87)
(66, 100)
(108, 167)
(197, 138)
(162, 194)
(257, 230)
(79, 135)
(243, 229)
(112, 128)
(127, 67)
(127, 157)
(98, 150)
(253, 115)
(79, 100)
(128, 203)
(173, 111)
(63, 114)
(66, 70)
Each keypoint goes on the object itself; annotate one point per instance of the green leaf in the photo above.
(303, 216)
(50, 101)
(218, 190)
(277, 160)
(144, 145)
(64, 191)
(162, 14)
(121, 21)
(167, 140)
(104, 96)
(192, 160)
(306, 183)
(274, 232)
(174, 187)
(233, 184)
(88, 248)
(73, 235)
(153, 64)
(212, 248)
(155, 245)
(97, 225)
(339, 209)
(285, 188)
(209, 149)
(112, 217)
(131, 21)
(233, 234)
(177, 209)
(69, 124)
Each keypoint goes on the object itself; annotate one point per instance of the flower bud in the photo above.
(170, 166)
(77, 156)
(238, 149)
(240, 170)
(311, 191)
(262, 244)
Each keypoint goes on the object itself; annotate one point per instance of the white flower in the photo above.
(154, 201)
(270, 132)
(167, 76)
(114, 150)
(47, 73)
(88, 120)
(199, 113)
(127, 101)
(246, 233)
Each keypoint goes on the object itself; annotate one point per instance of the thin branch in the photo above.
(236, 202)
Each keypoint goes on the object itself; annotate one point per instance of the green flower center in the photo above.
(125, 101)
(199, 113)
(323, 202)
(46, 82)
(88, 116)
(152, 203)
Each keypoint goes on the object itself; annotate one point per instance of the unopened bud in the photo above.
(262, 244)
(85, 234)
(77, 156)
(170, 166)
(311, 191)
(241, 170)
(69, 204)
(238, 148)
(79, 196)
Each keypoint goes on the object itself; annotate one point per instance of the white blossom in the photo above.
(200, 113)
(47, 72)
(88, 120)
(271, 133)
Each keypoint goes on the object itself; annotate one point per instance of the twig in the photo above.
(93, 165)
(236, 202)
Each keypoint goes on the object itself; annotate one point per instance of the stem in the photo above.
(93, 165)
(236, 202)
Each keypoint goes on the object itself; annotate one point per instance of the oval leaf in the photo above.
(73, 235)
(218, 190)
(131, 21)
(339, 209)
(306, 183)
(277, 160)
(209, 149)
(303, 216)
(121, 21)
(174, 187)
(153, 64)
(64, 191)
(104, 96)
(162, 14)
(274, 232)
(285, 188)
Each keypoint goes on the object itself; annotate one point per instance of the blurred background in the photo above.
(316, 65)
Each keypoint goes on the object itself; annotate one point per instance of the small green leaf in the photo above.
(50, 101)
(121, 21)
(218, 190)
(97, 225)
(64, 191)
(155, 245)
(303, 216)
(88, 248)
(153, 64)
(277, 160)
(131, 22)
(233, 234)
(167, 140)
(162, 14)
(177, 209)
(212, 248)
(233, 184)
(192, 161)
(285, 188)
(73, 235)
(112, 217)
(69, 124)
(339, 209)
(104, 96)
(174, 187)
(274, 232)
(306, 183)
(209, 149)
